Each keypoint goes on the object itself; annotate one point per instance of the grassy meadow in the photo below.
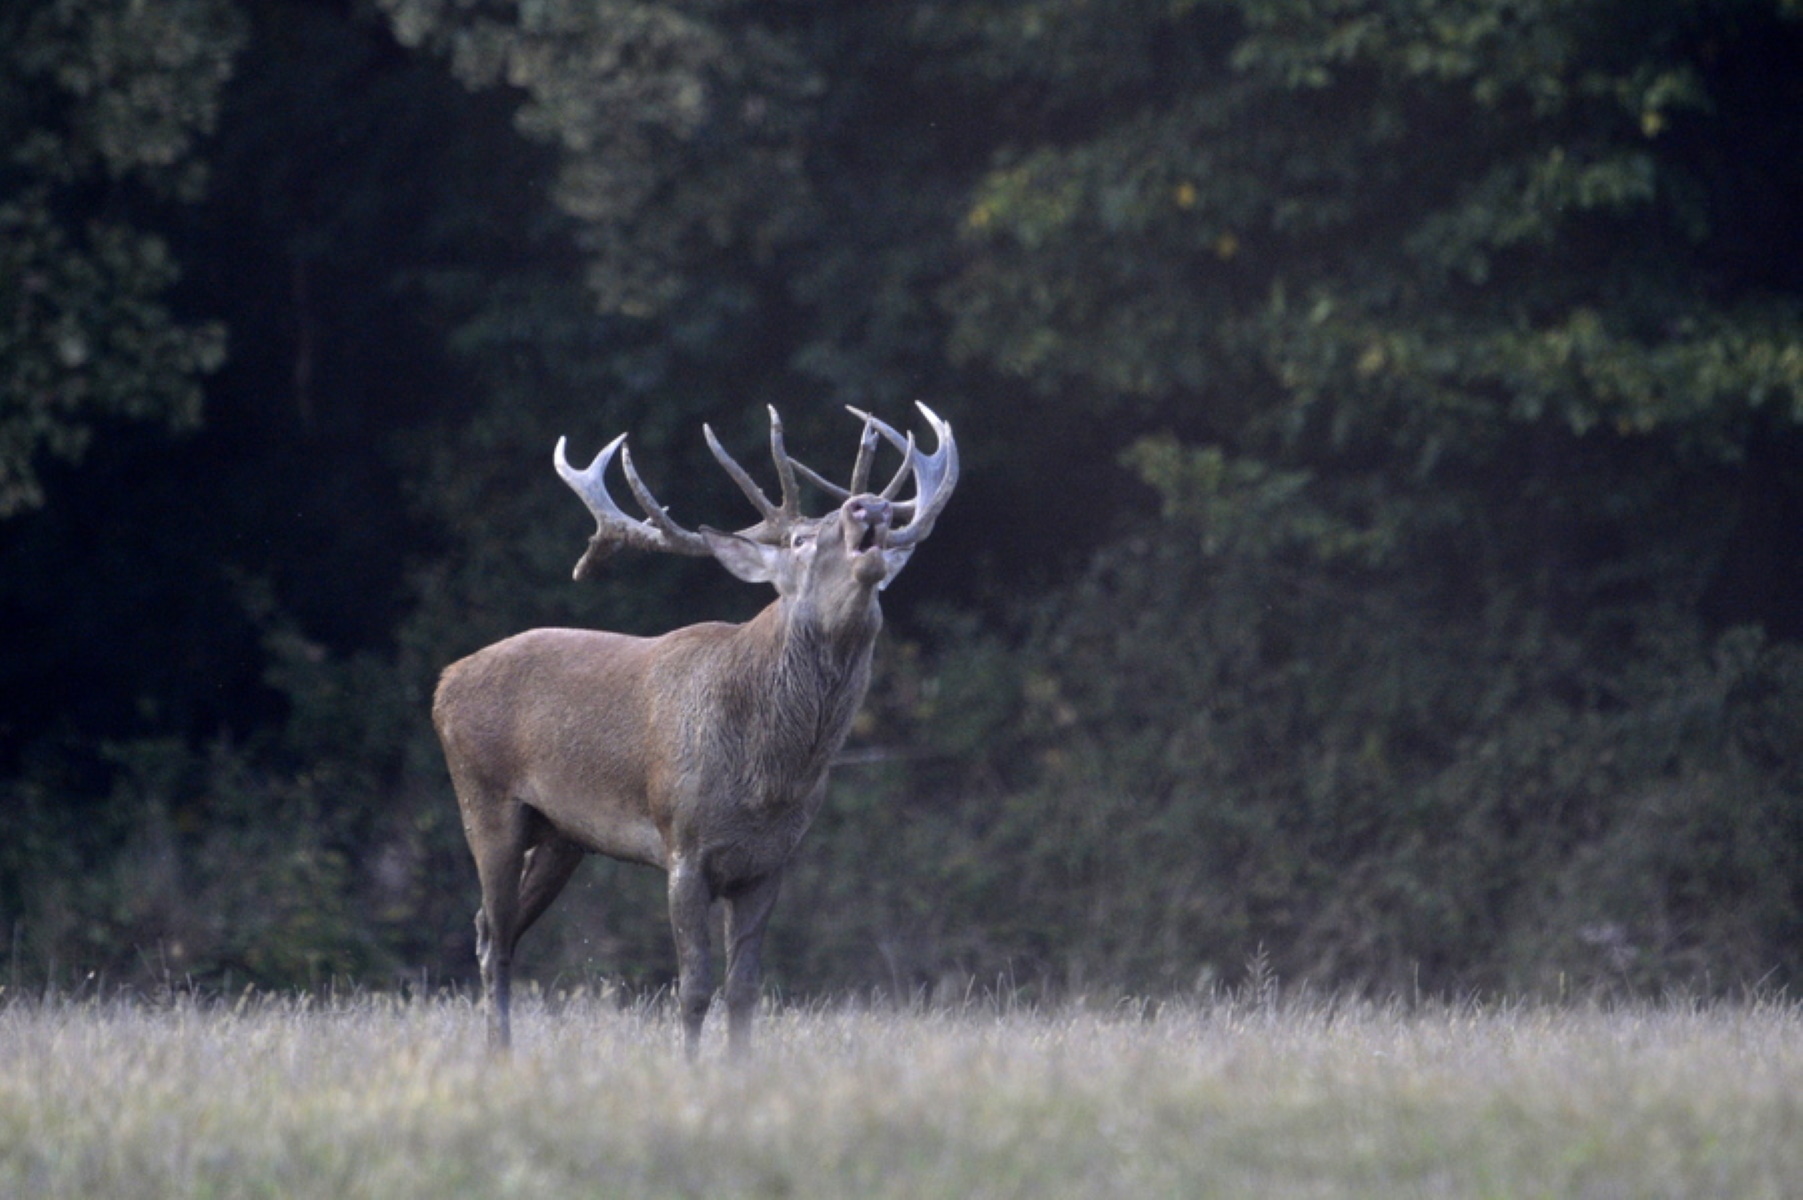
(381, 1097)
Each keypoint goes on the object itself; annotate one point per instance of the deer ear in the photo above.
(754, 562)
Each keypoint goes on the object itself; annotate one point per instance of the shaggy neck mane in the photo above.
(810, 689)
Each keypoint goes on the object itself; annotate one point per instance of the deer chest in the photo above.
(752, 844)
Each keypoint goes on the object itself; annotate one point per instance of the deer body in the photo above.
(644, 748)
(704, 751)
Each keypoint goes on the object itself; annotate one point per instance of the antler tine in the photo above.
(613, 528)
(935, 476)
(785, 467)
(872, 421)
(752, 492)
(902, 473)
(860, 470)
(820, 481)
(904, 444)
(655, 512)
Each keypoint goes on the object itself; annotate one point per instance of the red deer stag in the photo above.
(703, 751)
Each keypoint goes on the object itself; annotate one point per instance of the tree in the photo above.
(1463, 348)
(681, 127)
(1436, 329)
(1379, 540)
(102, 107)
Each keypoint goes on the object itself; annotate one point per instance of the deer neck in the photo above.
(804, 689)
(810, 662)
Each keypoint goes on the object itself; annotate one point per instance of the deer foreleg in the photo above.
(690, 897)
(747, 913)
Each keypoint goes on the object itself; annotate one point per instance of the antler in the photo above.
(778, 518)
(935, 475)
(613, 528)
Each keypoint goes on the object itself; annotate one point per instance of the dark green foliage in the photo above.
(682, 127)
(1378, 555)
(101, 104)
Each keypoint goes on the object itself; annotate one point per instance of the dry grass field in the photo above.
(378, 1097)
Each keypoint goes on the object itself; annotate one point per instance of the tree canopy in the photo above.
(1380, 538)
(102, 105)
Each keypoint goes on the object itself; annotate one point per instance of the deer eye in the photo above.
(800, 538)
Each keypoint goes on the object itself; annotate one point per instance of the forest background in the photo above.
(1380, 551)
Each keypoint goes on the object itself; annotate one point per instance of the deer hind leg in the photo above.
(549, 865)
(499, 837)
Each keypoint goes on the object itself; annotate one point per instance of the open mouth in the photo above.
(865, 526)
(866, 530)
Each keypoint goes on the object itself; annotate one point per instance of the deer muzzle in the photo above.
(864, 521)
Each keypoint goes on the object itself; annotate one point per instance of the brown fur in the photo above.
(703, 752)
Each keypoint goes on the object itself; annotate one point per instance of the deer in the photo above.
(704, 751)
